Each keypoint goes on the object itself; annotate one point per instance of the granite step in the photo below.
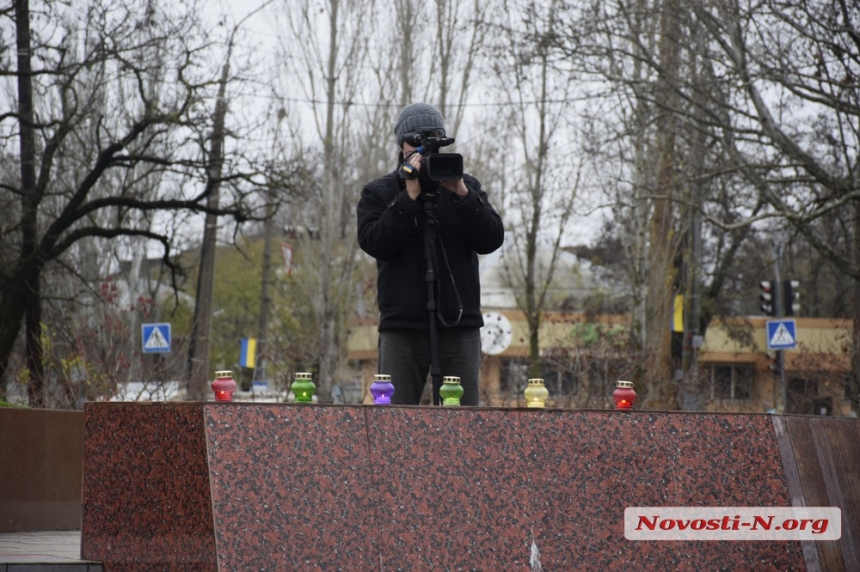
(44, 551)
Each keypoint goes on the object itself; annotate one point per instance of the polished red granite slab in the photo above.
(291, 488)
(451, 489)
(146, 494)
(592, 465)
(473, 489)
(307, 487)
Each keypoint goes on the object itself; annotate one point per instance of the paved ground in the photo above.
(57, 551)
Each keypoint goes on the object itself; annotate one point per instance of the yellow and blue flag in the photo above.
(678, 314)
(249, 352)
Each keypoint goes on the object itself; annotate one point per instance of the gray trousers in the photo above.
(405, 356)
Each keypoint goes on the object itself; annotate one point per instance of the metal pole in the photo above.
(265, 300)
(778, 312)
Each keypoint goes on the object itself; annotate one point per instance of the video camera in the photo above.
(435, 166)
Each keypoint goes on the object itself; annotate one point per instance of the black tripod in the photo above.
(430, 225)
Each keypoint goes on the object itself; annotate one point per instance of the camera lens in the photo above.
(445, 166)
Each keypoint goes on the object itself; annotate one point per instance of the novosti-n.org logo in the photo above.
(732, 523)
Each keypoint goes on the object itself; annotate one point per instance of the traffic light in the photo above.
(790, 297)
(768, 297)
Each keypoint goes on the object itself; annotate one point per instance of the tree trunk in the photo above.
(328, 231)
(853, 381)
(29, 208)
(691, 397)
(642, 152)
(661, 280)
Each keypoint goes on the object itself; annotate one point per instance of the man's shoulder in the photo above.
(386, 183)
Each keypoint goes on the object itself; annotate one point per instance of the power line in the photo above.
(397, 105)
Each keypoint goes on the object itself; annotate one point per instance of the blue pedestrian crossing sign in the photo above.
(156, 338)
(781, 334)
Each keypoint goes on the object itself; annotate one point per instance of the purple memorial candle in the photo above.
(382, 389)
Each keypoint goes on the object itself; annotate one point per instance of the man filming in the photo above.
(425, 224)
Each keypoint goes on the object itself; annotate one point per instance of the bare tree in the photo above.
(762, 105)
(93, 130)
(544, 183)
(793, 124)
(328, 75)
(198, 355)
(663, 239)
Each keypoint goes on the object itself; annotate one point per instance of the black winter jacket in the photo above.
(391, 229)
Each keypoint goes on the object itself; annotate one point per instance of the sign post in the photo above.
(781, 335)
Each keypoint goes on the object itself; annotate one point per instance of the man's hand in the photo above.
(413, 186)
(457, 187)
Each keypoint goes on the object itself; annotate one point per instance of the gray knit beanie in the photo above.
(417, 116)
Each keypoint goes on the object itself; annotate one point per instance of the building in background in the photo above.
(585, 350)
